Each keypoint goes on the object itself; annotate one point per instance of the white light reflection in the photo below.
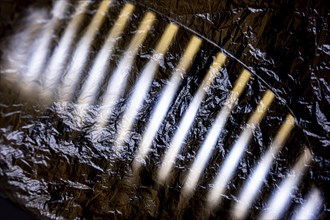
(56, 65)
(143, 84)
(231, 162)
(17, 50)
(118, 79)
(311, 207)
(97, 73)
(81, 54)
(252, 187)
(163, 104)
(205, 151)
(278, 203)
(41, 47)
(188, 118)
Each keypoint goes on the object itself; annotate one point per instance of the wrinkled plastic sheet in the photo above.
(53, 169)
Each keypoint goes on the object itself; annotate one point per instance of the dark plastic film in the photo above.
(167, 109)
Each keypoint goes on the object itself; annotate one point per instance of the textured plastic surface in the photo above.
(52, 167)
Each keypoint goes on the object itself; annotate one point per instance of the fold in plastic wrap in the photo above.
(54, 167)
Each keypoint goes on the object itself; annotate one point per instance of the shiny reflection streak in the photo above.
(278, 203)
(56, 64)
(163, 104)
(188, 119)
(42, 46)
(81, 54)
(143, 84)
(205, 152)
(118, 79)
(97, 73)
(231, 161)
(311, 206)
(253, 185)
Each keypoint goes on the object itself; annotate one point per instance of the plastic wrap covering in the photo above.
(165, 109)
